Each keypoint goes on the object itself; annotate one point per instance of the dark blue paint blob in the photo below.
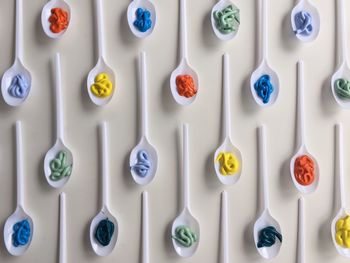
(104, 232)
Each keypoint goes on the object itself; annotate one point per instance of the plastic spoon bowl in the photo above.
(19, 213)
(63, 229)
(222, 4)
(17, 67)
(339, 170)
(104, 212)
(265, 218)
(227, 145)
(186, 218)
(264, 67)
(301, 231)
(302, 148)
(101, 66)
(145, 228)
(144, 143)
(306, 6)
(46, 13)
(60, 144)
(224, 253)
(184, 67)
(343, 70)
(144, 4)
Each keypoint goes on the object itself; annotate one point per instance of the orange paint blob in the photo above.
(304, 170)
(59, 20)
(185, 86)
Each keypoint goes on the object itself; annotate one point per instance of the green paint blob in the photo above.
(227, 20)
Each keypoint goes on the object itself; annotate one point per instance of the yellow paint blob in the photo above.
(229, 164)
(102, 86)
(342, 235)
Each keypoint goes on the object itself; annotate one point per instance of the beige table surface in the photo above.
(165, 118)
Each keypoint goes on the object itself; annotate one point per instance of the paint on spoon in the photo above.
(227, 20)
(229, 164)
(59, 20)
(185, 86)
(21, 233)
(303, 23)
(143, 21)
(267, 237)
(19, 87)
(264, 88)
(142, 165)
(304, 170)
(185, 236)
(342, 88)
(104, 232)
(59, 167)
(342, 232)
(102, 86)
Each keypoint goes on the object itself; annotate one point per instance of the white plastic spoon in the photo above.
(145, 228)
(185, 218)
(145, 5)
(265, 218)
(101, 66)
(339, 170)
(46, 13)
(343, 71)
(144, 144)
(227, 145)
(20, 213)
(60, 145)
(306, 6)
(184, 67)
(219, 6)
(301, 231)
(63, 230)
(264, 68)
(224, 253)
(104, 212)
(17, 68)
(302, 148)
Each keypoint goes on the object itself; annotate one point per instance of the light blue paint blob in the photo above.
(264, 88)
(21, 233)
(142, 165)
(19, 87)
(143, 20)
(303, 23)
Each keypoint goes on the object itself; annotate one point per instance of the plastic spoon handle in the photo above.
(59, 115)
(341, 32)
(339, 162)
(19, 153)
(263, 166)
(185, 171)
(104, 157)
(19, 29)
(100, 27)
(227, 122)
(224, 230)
(63, 238)
(145, 228)
(144, 108)
(183, 29)
(301, 231)
(300, 106)
(263, 29)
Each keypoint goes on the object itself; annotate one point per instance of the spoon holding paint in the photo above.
(142, 17)
(145, 228)
(340, 84)
(340, 222)
(58, 162)
(104, 226)
(301, 231)
(267, 231)
(55, 18)
(305, 20)
(19, 228)
(303, 166)
(227, 158)
(264, 82)
(224, 253)
(17, 80)
(185, 224)
(63, 230)
(184, 81)
(143, 158)
(101, 79)
(225, 19)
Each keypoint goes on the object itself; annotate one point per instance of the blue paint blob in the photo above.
(264, 88)
(267, 237)
(19, 87)
(303, 23)
(21, 233)
(143, 20)
(142, 165)
(104, 232)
